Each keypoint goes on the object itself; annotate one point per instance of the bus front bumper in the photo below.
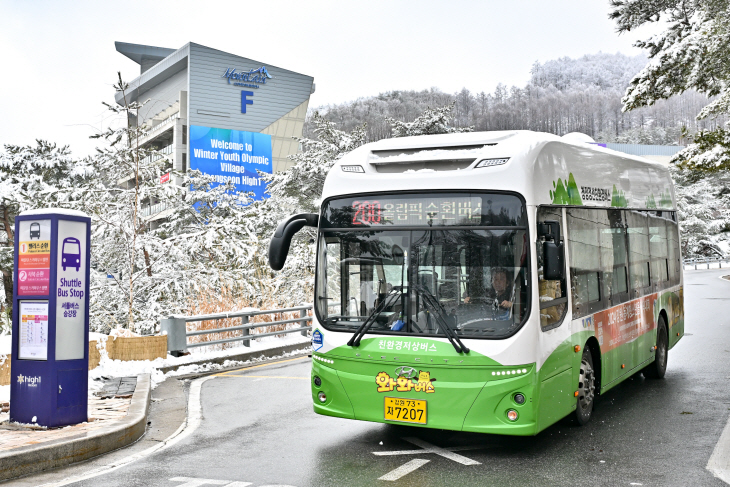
(477, 399)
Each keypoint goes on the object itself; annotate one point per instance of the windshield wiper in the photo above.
(360, 332)
(435, 307)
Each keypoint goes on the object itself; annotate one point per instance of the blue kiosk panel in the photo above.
(50, 356)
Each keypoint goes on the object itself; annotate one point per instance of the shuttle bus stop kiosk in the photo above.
(50, 353)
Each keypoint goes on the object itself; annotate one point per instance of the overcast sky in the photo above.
(58, 61)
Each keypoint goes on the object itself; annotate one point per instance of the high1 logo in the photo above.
(31, 381)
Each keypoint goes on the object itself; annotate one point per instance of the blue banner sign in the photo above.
(231, 155)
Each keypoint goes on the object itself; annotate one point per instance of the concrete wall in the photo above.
(180, 136)
(163, 95)
(282, 134)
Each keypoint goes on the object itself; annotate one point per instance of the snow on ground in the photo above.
(117, 368)
(199, 368)
(265, 343)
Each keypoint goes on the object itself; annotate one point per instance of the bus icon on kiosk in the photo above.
(35, 230)
(71, 253)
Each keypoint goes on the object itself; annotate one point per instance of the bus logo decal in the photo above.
(405, 371)
(401, 383)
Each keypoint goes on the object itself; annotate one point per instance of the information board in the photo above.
(34, 257)
(70, 290)
(33, 330)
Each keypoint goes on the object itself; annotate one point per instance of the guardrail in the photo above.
(695, 261)
(177, 334)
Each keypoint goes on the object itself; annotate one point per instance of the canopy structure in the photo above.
(145, 56)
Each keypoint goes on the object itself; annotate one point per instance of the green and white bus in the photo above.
(492, 282)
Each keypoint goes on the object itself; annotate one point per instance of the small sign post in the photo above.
(50, 353)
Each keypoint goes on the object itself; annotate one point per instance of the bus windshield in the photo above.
(417, 281)
(71, 248)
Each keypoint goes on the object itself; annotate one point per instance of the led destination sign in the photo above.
(425, 210)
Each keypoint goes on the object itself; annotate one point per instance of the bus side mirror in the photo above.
(552, 251)
(281, 240)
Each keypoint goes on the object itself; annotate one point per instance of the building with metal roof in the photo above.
(658, 153)
(226, 115)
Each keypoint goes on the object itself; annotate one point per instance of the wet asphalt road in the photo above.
(259, 427)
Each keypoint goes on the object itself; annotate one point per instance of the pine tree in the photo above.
(296, 190)
(431, 121)
(299, 190)
(703, 213)
(160, 260)
(691, 54)
(31, 177)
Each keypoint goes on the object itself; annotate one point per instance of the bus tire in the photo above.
(586, 388)
(658, 367)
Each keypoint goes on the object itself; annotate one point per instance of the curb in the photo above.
(242, 357)
(36, 458)
(719, 462)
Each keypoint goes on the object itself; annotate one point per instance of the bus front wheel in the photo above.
(586, 388)
(658, 367)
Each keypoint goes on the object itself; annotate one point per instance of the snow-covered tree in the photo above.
(296, 190)
(431, 121)
(690, 54)
(193, 241)
(208, 240)
(195, 244)
(31, 177)
(299, 190)
(704, 214)
(130, 176)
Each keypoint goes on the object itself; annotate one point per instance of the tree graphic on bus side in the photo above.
(567, 194)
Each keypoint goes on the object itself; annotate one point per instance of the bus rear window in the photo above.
(424, 210)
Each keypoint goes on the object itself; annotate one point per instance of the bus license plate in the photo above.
(405, 410)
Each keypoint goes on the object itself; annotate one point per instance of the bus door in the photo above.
(558, 372)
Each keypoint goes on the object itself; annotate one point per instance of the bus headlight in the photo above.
(322, 397)
(512, 415)
(519, 398)
(317, 381)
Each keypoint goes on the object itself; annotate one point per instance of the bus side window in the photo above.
(659, 251)
(584, 226)
(553, 301)
(639, 254)
(673, 240)
(614, 259)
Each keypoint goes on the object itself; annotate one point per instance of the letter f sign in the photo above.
(245, 101)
